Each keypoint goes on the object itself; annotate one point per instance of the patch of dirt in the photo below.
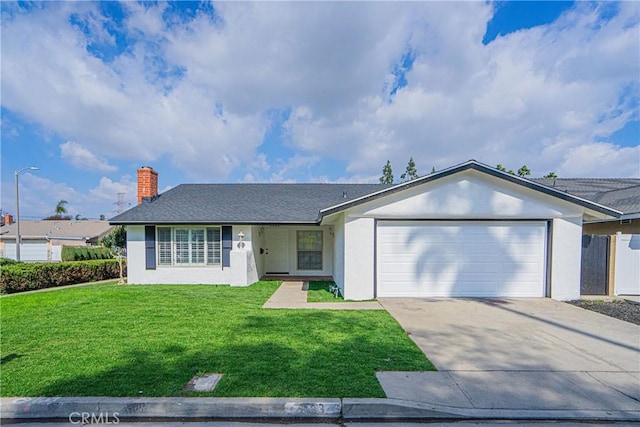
(620, 309)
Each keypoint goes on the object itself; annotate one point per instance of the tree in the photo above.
(433, 169)
(102, 217)
(411, 172)
(524, 171)
(60, 207)
(77, 217)
(60, 211)
(387, 174)
(116, 239)
(503, 169)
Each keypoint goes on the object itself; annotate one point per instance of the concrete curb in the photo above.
(392, 409)
(197, 408)
(206, 408)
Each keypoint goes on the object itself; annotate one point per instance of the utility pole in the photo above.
(33, 168)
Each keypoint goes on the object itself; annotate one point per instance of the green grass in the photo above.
(114, 340)
(319, 292)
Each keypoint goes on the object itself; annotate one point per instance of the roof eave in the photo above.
(211, 222)
(623, 217)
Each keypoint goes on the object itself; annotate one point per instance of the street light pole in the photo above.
(18, 172)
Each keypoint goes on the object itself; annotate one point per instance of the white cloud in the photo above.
(122, 109)
(39, 196)
(82, 158)
(599, 159)
(527, 98)
(108, 190)
(199, 93)
(261, 162)
(296, 162)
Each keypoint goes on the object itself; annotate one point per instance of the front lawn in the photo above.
(114, 340)
(319, 292)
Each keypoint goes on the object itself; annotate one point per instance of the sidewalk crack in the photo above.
(613, 388)
(461, 389)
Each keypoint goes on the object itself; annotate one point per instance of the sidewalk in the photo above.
(292, 295)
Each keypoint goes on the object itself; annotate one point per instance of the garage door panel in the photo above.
(29, 251)
(33, 251)
(481, 259)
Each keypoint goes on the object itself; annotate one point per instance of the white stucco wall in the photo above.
(257, 242)
(626, 279)
(138, 274)
(467, 195)
(244, 270)
(566, 255)
(338, 252)
(359, 266)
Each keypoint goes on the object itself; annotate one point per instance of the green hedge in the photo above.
(31, 276)
(85, 253)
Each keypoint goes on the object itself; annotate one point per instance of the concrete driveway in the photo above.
(532, 353)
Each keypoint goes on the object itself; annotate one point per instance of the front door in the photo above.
(277, 250)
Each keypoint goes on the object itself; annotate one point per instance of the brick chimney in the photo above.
(8, 219)
(147, 183)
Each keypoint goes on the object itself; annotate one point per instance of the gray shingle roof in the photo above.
(243, 203)
(303, 203)
(58, 229)
(622, 194)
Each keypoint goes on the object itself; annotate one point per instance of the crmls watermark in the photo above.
(85, 418)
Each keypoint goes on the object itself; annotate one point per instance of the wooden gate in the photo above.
(594, 275)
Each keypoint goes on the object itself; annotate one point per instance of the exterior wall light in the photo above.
(241, 242)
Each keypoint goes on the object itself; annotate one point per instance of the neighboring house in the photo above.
(622, 194)
(611, 247)
(43, 240)
(469, 230)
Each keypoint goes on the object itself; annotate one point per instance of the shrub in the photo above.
(31, 276)
(117, 238)
(85, 253)
(7, 261)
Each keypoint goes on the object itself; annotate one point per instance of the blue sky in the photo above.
(308, 92)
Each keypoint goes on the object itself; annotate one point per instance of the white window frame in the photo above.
(190, 243)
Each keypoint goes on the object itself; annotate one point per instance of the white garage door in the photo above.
(461, 259)
(29, 251)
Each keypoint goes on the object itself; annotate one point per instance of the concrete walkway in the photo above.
(291, 294)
